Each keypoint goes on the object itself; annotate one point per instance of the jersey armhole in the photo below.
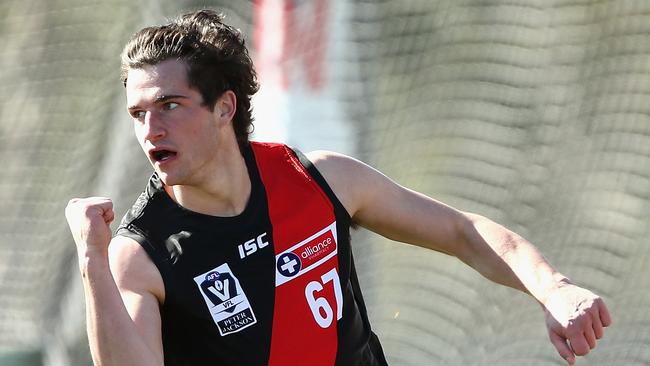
(339, 209)
(132, 232)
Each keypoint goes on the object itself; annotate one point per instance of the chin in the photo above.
(167, 179)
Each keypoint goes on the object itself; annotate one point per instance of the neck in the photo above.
(223, 192)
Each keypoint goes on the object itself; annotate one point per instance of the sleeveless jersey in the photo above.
(274, 285)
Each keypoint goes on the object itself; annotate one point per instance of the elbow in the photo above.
(475, 234)
(466, 236)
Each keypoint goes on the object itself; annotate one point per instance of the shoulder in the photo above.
(334, 165)
(351, 180)
(143, 202)
(150, 212)
(329, 161)
(133, 269)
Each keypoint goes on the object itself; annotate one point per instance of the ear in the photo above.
(226, 106)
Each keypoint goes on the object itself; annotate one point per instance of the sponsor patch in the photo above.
(306, 255)
(226, 300)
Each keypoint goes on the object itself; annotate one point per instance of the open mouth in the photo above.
(162, 155)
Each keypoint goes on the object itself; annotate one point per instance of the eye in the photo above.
(170, 106)
(138, 114)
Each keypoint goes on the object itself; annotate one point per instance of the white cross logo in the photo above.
(289, 265)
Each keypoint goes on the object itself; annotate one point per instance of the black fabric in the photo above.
(190, 336)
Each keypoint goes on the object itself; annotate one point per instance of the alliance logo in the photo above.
(225, 300)
(306, 255)
(317, 248)
(288, 264)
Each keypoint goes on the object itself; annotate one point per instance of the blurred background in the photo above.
(534, 113)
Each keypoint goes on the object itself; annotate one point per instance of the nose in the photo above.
(153, 127)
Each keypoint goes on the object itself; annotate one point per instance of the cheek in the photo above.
(206, 131)
(206, 139)
(139, 135)
(137, 131)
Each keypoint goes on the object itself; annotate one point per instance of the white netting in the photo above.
(534, 113)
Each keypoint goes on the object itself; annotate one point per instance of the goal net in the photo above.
(533, 113)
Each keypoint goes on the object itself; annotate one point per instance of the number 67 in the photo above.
(318, 303)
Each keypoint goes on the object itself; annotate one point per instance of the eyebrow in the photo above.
(161, 99)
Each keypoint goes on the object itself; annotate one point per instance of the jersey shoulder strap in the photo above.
(303, 166)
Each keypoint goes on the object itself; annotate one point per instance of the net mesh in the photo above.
(533, 113)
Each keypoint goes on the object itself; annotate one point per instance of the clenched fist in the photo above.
(89, 220)
(575, 318)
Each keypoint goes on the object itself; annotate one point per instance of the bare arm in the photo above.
(573, 314)
(122, 293)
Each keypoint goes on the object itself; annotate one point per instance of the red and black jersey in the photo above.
(275, 285)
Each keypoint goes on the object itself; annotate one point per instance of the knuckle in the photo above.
(580, 347)
(72, 207)
(573, 329)
(72, 204)
(583, 351)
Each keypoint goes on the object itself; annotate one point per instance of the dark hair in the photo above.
(215, 54)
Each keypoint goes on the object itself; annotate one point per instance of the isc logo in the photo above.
(251, 246)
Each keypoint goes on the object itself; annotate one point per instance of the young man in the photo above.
(237, 253)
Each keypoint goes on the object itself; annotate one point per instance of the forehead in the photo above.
(151, 81)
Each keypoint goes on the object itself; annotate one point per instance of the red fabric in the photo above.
(300, 210)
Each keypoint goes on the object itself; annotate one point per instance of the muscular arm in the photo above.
(378, 204)
(374, 201)
(122, 289)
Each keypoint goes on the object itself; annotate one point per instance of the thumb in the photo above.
(562, 347)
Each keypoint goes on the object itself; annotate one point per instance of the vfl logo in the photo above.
(226, 300)
(220, 289)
